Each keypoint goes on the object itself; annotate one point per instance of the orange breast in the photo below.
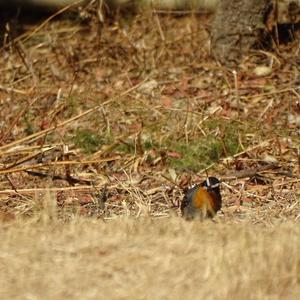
(204, 201)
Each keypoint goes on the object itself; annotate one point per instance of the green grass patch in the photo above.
(201, 151)
(131, 146)
(90, 141)
(126, 147)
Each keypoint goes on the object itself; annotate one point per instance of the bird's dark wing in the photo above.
(188, 197)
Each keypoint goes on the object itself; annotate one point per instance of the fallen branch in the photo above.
(248, 173)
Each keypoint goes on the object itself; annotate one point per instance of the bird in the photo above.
(202, 200)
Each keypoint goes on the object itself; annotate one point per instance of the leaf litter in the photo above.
(120, 117)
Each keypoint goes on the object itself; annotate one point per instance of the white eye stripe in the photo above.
(207, 181)
(212, 186)
(215, 185)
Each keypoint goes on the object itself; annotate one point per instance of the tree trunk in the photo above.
(238, 25)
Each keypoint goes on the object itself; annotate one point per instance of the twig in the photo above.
(181, 12)
(58, 163)
(28, 157)
(14, 187)
(216, 110)
(161, 33)
(64, 123)
(17, 118)
(236, 90)
(29, 149)
(37, 29)
(261, 187)
(70, 179)
(238, 192)
(12, 90)
(40, 190)
(113, 145)
(269, 105)
(274, 92)
(247, 173)
(169, 179)
(262, 144)
(207, 168)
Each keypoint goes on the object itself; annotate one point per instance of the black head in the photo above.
(212, 183)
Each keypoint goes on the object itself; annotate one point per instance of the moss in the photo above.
(129, 146)
(196, 155)
(202, 151)
(149, 144)
(90, 141)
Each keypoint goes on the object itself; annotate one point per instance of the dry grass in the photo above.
(148, 259)
(101, 130)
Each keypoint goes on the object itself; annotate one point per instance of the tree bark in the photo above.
(238, 25)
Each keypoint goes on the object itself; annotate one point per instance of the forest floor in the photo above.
(103, 127)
